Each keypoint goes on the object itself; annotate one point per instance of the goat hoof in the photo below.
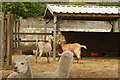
(48, 61)
(36, 62)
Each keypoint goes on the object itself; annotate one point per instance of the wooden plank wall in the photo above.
(9, 28)
(7, 38)
(3, 38)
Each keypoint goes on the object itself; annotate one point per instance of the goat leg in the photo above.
(58, 58)
(36, 58)
(47, 57)
(78, 60)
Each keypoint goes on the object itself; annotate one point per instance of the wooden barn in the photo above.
(101, 42)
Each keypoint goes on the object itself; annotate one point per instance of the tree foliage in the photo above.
(73, 3)
(29, 9)
(24, 9)
(109, 4)
(35, 9)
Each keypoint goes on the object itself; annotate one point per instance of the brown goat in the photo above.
(74, 47)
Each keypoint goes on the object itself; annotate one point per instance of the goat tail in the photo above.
(83, 46)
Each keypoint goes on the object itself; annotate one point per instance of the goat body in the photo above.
(43, 47)
(74, 47)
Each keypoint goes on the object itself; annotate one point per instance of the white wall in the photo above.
(72, 25)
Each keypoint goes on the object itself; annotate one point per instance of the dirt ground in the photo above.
(90, 67)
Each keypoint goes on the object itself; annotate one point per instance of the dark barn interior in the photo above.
(104, 43)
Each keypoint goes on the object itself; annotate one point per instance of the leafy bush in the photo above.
(109, 4)
(24, 9)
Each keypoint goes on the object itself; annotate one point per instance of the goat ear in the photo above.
(58, 41)
(51, 37)
(29, 57)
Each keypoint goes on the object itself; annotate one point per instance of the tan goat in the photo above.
(74, 47)
(44, 47)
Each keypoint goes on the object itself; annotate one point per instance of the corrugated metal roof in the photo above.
(83, 9)
(76, 12)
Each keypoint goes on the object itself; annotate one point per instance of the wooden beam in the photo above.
(33, 33)
(25, 48)
(29, 40)
(54, 35)
(48, 21)
(87, 15)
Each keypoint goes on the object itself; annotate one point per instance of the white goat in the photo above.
(44, 47)
(74, 47)
(63, 68)
(22, 68)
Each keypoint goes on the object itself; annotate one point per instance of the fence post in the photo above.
(18, 32)
(9, 51)
(1, 47)
(45, 29)
(12, 26)
(3, 36)
(15, 31)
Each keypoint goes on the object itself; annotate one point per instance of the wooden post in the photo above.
(9, 51)
(18, 31)
(45, 29)
(54, 35)
(116, 25)
(15, 36)
(12, 26)
(119, 26)
(118, 20)
(3, 37)
(1, 47)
